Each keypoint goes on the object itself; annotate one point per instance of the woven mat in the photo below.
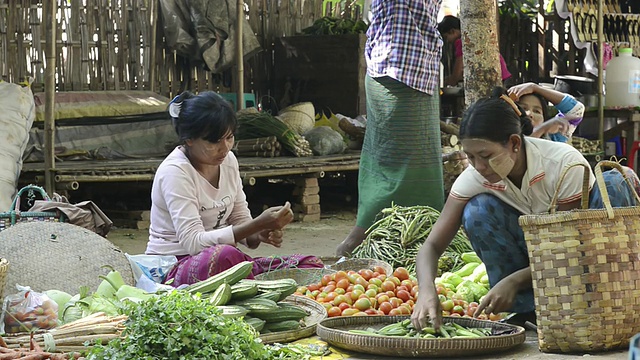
(52, 255)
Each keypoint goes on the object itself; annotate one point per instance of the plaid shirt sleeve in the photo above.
(403, 42)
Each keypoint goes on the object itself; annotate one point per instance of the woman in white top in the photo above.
(510, 175)
(199, 211)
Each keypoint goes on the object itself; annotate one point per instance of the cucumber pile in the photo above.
(260, 302)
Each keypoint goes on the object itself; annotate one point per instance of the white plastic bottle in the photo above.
(623, 80)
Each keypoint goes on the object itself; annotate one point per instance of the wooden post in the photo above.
(50, 93)
(239, 55)
(600, 78)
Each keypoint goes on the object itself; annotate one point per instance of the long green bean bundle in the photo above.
(398, 234)
(253, 125)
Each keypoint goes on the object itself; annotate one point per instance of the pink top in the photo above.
(457, 45)
(188, 214)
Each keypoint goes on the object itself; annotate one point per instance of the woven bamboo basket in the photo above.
(4, 268)
(301, 276)
(54, 255)
(358, 264)
(317, 313)
(335, 331)
(300, 117)
(586, 270)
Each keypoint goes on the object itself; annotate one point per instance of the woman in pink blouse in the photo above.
(199, 211)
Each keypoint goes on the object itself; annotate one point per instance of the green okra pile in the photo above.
(404, 328)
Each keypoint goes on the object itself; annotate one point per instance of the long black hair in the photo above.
(494, 119)
(205, 116)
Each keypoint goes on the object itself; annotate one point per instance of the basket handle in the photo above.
(15, 206)
(584, 203)
(603, 187)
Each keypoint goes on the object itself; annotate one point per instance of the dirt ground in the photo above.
(321, 239)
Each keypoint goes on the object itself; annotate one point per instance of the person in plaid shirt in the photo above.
(401, 158)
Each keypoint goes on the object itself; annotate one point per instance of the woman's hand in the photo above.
(277, 217)
(515, 92)
(499, 299)
(556, 125)
(271, 237)
(427, 312)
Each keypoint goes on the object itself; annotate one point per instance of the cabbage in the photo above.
(60, 298)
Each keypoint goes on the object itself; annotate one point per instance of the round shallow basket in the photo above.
(317, 313)
(4, 269)
(300, 117)
(358, 264)
(301, 276)
(52, 255)
(335, 331)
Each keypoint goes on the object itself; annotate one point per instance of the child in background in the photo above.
(534, 98)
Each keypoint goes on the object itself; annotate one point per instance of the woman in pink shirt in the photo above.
(199, 211)
(449, 29)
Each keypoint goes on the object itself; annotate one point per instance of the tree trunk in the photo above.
(479, 48)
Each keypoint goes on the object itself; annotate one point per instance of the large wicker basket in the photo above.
(300, 117)
(585, 271)
(4, 268)
(335, 331)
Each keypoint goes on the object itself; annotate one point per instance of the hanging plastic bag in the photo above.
(28, 310)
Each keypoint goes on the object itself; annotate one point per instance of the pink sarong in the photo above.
(215, 259)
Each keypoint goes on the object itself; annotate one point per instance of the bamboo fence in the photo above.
(119, 45)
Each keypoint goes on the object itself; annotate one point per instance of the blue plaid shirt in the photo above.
(403, 42)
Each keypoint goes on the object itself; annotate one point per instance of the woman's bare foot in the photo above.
(355, 238)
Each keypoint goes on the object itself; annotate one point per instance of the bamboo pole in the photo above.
(601, 75)
(50, 88)
(154, 29)
(239, 55)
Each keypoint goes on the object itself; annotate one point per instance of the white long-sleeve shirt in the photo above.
(188, 214)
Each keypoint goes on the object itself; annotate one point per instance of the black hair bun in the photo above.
(498, 91)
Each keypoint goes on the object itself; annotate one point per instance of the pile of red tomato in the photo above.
(373, 292)
(364, 292)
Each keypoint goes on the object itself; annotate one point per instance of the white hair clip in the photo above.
(174, 107)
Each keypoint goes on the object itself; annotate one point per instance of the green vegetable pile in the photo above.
(335, 26)
(400, 231)
(183, 326)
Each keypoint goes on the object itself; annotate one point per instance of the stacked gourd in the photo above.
(260, 302)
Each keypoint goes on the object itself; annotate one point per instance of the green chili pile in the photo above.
(398, 234)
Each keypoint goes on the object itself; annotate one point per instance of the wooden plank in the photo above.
(20, 41)
(4, 43)
(11, 28)
(133, 41)
(85, 37)
(37, 62)
(144, 14)
(101, 16)
(123, 48)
